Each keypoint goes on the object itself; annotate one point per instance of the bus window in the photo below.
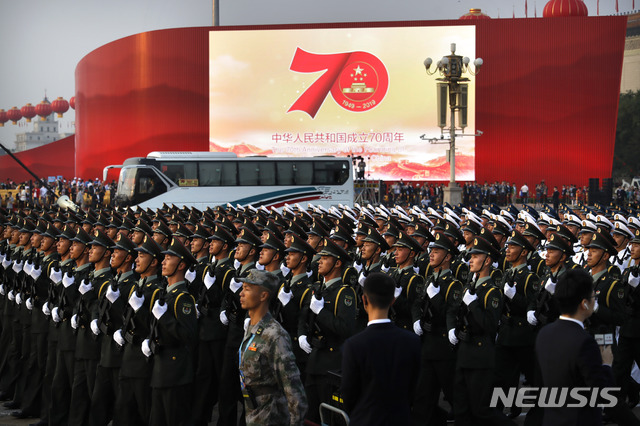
(229, 173)
(210, 173)
(267, 173)
(330, 172)
(180, 170)
(302, 173)
(249, 173)
(149, 184)
(286, 172)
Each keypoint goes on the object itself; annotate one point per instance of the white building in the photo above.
(44, 132)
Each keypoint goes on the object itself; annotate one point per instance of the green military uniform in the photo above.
(270, 376)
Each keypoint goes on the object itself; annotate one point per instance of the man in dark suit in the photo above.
(380, 365)
(569, 356)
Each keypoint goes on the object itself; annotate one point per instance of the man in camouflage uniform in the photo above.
(269, 378)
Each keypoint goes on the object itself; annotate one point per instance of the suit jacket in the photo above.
(570, 357)
(380, 367)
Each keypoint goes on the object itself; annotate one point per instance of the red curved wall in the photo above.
(546, 97)
(52, 159)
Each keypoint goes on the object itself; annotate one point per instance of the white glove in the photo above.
(285, 270)
(468, 298)
(45, 309)
(112, 296)
(158, 309)
(94, 327)
(117, 337)
(136, 302)
(316, 305)
(146, 350)
(550, 286)
(236, 264)
(361, 279)
(417, 328)
(19, 298)
(67, 280)
(495, 265)
(531, 317)
(28, 267)
(235, 285)
(309, 273)
(209, 280)
(84, 287)
(56, 275)
(197, 312)
(29, 304)
(397, 292)
(385, 268)
(2, 290)
(17, 267)
(55, 315)
(453, 339)
(259, 267)
(416, 270)
(74, 321)
(634, 280)
(304, 344)
(247, 322)
(284, 296)
(6, 263)
(11, 296)
(223, 318)
(509, 291)
(432, 291)
(596, 306)
(36, 272)
(190, 275)
(358, 266)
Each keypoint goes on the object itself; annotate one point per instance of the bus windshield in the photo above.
(138, 184)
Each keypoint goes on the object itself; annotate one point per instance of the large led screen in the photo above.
(338, 91)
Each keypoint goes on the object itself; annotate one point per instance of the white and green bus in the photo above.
(202, 179)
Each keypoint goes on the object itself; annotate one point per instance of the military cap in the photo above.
(634, 223)
(482, 246)
(445, 243)
(440, 225)
(501, 228)
(621, 229)
(558, 243)
(273, 242)
(208, 223)
(90, 218)
(367, 220)
(163, 229)
(142, 226)
(126, 224)
(488, 236)
(27, 226)
(587, 226)
(150, 246)
(602, 221)
(248, 237)
(453, 232)
(183, 231)
(636, 237)
(201, 232)
(471, 226)
(318, 229)
(373, 236)
(176, 219)
(362, 228)
(176, 248)
(220, 233)
(81, 236)
(406, 240)
(115, 222)
(518, 239)
(340, 233)
(68, 233)
(298, 244)
(532, 230)
(564, 232)
(51, 231)
(603, 240)
(297, 230)
(124, 243)
(423, 231)
(101, 239)
(332, 249)
(41, 228)
(392, 231)
(101, 220)
(272, 227)
(264, 279)
(248, 224)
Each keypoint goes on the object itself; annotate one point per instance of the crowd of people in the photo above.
(147, 316)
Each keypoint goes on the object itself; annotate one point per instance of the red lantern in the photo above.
(28, 111)
(72, 102)
(475, 14)
(14, 115)
(560, 8)
(60, 106)
(43, 109)
(3, 117)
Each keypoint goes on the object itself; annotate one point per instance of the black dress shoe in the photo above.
(12, 405)
(4, 396)
(21, 414)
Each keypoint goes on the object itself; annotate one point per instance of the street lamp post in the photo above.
(451, 68)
